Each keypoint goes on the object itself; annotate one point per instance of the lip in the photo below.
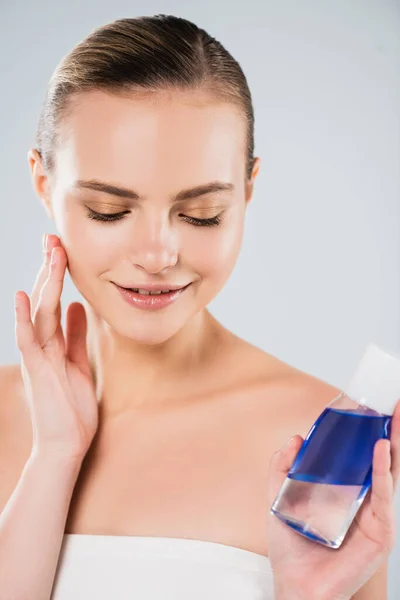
(154, 287)
(147, 302)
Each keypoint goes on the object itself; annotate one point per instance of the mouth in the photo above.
(150, 291)
(150, 300)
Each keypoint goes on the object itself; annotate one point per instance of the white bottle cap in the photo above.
(376, 382)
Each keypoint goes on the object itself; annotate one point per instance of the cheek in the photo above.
(87, 247)
(213, 253)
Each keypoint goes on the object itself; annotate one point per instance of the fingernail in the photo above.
(289, 441)
(17, 300)
(44, 241)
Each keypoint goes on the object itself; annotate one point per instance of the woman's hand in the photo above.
(56, 373)
(318, 571)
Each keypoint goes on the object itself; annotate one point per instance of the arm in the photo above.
(56, 389)
(34, 518)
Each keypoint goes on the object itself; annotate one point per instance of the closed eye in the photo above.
(96, 216)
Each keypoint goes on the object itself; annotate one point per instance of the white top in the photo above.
(113, 567)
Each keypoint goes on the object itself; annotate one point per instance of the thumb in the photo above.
(280, 464)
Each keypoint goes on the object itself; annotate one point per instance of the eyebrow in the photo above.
(185, 194)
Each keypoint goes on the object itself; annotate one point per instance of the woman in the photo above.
(152, 460)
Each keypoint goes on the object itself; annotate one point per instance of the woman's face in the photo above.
(156, 146)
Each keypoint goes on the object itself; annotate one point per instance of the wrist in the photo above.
(55, 461)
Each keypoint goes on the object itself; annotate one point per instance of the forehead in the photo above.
(148, 136)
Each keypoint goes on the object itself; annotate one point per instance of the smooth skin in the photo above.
(298, 564)
(177, 383)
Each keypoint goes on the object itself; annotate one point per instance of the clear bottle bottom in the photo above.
(321, 512)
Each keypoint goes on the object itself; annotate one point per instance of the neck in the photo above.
(131, 375)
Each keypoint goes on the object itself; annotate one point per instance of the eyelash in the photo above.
(96, 216)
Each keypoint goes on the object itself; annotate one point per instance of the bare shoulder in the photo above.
(266, 368)
(15, 430)
(287, 400)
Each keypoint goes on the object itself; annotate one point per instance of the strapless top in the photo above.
(113, 567)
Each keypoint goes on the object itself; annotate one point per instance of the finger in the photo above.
(46, 319)
(75, 333)
(43, 271)
(382, 486)
(280, 464)
(31, 352)
(395, 445)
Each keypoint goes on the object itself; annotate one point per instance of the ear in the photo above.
(250, 182)
(40, 181)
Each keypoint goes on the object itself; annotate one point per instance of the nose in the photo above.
(155, 244)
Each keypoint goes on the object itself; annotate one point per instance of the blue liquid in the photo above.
(339, 447)
(338, 451)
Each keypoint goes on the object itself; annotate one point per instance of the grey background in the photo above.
(319, 272)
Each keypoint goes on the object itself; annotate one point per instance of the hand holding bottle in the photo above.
(56, 373)
(305, 569)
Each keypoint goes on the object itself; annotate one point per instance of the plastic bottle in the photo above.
(332, 472)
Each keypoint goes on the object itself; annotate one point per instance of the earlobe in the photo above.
(249, 192)
(40, 180)
(37, 172)
(256, 167)
(48, 208)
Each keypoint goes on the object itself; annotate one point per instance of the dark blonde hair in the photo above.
(147, 53)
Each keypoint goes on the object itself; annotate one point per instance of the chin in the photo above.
(149, 334)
